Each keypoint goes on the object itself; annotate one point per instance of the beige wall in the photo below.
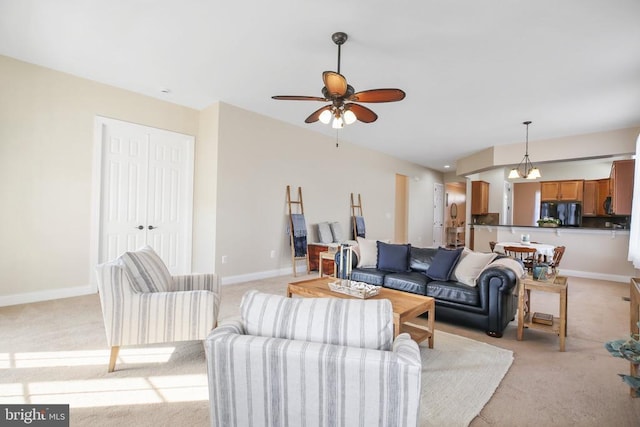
(600, 144)
(46, 146)
(205, 191)
(259, 157)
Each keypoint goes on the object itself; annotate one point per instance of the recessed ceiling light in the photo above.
(447, 166)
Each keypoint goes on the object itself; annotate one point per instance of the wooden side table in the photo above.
(557, 285)
(329, 256)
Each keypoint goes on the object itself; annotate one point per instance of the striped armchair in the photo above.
(312, 362)
(143, 304)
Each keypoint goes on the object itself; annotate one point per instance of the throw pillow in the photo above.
(514, 265)
(368, 253)
(443, 264)
(393, 257)
(324, 233)
(470, 265)
(336, 231)
(146, 270)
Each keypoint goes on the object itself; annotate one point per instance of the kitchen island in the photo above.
(596, 253)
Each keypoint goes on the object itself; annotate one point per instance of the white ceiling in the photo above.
(473, 70)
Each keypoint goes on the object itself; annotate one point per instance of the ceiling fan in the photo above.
(343, 108)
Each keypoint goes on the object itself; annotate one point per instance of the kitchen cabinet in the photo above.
(479, 198)
(590, 198)
(621, 180)
(571, 190)
(603, 193)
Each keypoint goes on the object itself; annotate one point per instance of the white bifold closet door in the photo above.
(146, 194)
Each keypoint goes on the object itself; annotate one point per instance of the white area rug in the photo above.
(459, 376)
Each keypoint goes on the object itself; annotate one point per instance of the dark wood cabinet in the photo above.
(479, 198)
(621, 180)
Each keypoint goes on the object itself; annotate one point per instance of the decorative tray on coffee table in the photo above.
(354, 289)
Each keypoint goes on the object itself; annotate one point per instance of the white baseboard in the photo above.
(29, 297)
(597, 276)
(241, 278)
(53, 294)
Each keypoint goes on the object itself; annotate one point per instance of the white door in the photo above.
(438, 214)
(146, 192)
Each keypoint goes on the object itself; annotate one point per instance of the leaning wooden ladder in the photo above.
(356, 210)
(298, 206)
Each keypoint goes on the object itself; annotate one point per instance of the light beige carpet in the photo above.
(459, 376)
(58, 355)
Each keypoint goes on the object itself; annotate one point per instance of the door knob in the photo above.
(151, 227)
(140, 227)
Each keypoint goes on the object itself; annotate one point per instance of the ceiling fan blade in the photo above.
(363, 114)
(298, 98)
(335, 83)
(315, 116)
(378, 95)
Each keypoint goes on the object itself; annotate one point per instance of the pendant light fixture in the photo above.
(525, 169)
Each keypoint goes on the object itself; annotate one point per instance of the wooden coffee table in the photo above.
(406, 306)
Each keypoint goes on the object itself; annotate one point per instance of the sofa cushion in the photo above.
(146, 270)
(413, 282)
(324, 233)
(368, 253)
(336, 232)
(453, 291)
(421, 258)
(470, 265)
(443, 264)
(321, 320)
(368, 275)
(393, 257)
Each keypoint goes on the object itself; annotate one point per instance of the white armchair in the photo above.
(143, 304)
(312, 362)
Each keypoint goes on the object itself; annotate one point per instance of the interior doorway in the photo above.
(455, 213)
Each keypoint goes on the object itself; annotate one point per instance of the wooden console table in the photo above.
(557, 285)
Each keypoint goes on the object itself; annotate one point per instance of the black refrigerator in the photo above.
(569, 213)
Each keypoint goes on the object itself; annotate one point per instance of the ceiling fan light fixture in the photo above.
(344, 108)
(349, 117)
(338, 123)
(325, 117)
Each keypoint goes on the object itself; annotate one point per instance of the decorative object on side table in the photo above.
(540, 271)
(628, 349)
(548, 222)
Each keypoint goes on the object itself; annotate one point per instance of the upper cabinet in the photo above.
(562, 190)
(621, 184)
(604, 191)
(590, 199)
(479, 198)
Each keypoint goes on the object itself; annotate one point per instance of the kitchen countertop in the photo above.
(607, 229)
